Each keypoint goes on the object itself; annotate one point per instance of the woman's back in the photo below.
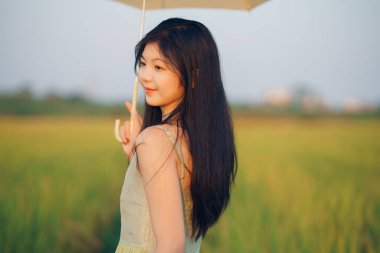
(137, 233)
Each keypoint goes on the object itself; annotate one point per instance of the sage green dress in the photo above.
(136, 234)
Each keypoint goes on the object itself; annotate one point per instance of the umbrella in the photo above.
(221, 4)
(166, 4)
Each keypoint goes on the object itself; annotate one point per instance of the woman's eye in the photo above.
(157, 67)
(141, 63)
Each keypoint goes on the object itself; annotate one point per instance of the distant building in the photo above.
(354, 105)
(324, 105)
(302, 98)
(312, 103)
(278, 97)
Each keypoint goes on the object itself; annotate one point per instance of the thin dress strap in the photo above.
(182, 172)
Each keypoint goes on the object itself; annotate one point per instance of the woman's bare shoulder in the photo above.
(152, 135)
(154, 151)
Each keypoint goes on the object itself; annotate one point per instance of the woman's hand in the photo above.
(128, 137)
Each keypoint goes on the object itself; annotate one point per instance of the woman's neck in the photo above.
(173, 120)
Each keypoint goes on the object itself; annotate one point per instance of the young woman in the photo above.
(182, 153)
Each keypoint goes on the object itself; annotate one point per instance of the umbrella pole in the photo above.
(135, 88)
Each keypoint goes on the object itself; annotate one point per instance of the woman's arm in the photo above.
(157, 164)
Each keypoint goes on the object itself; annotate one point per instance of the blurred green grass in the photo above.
(303, 185)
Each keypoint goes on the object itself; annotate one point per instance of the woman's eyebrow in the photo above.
(155, 59)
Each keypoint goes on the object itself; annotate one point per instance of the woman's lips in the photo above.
(148, 91)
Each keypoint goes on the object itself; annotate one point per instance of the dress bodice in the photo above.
(136, 234)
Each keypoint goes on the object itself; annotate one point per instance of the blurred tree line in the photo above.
(24, 102)
(302, 104)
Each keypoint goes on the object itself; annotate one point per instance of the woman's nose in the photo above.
(144, 75)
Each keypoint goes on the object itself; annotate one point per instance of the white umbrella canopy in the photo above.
(167, 4)
(220, 4)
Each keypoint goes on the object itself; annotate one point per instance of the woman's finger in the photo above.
(127, 130)
(136, 121)
(123, 137)
(140, 119)
(128, 105)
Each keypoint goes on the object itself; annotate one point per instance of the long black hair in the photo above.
(203, 112)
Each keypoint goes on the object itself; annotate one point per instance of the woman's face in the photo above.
(161, 84)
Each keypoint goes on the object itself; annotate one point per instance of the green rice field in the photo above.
(303, 185)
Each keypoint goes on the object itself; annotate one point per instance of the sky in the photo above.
(86, 46)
